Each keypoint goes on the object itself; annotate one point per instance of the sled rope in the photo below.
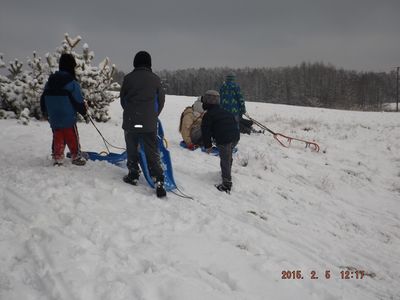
(106, 143)
(281, 137)
(181, 194)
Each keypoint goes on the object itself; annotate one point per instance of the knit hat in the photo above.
(67, 63)
(142, 59)
(211, 97)
(197, 106)
(230, 77)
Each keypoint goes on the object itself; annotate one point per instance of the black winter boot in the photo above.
(160, 190)
(79, 161)
(131, 178)
(223, 188)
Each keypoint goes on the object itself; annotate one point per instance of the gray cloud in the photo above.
(356, 34)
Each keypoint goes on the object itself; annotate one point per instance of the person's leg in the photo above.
(225, 155)
(72, 141)
(58, 146)
(78, 142)
(52, 145)
(233, 145)
(152, 152)
(195, 136)
(132, 142)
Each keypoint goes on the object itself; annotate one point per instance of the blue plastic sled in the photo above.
(118, 159)
(113, 158)
(169, 181)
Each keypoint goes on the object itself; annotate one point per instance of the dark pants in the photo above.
(225, 156)
(149, 142)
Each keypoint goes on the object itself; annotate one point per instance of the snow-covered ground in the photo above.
(81, 233)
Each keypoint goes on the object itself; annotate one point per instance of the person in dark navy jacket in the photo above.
(219, 125)
(142, 100)
(61, 100)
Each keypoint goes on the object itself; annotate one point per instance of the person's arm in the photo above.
(240, 99)
(122, 94)
(43, 107)
(206, 131)
(185, 130)
(77, 98)
(160, 98)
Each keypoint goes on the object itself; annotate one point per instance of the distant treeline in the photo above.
(308, 84)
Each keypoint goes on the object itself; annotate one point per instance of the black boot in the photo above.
(131, 178)
(79, 161)
(223, 188)
(160, 190)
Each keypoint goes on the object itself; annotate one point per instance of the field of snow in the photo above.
(390, 106)
(81, 233)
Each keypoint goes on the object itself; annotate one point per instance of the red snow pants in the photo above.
(62, 137)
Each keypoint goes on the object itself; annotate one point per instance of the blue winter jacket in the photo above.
(231, 98)
(61, 100)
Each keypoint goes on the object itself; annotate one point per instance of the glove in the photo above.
(191, 146)
(87, 119)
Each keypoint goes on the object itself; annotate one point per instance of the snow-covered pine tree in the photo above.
(36, 79)
(4, 81)
(22, 90)
(96, 81)
(13, 90)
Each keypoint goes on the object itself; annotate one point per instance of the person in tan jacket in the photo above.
(190, 125)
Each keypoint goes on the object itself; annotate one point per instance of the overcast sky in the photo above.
(353, 34)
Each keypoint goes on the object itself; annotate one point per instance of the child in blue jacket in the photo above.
(61, 100)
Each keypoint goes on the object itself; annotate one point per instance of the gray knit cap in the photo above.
(197, 106)
(211, 97)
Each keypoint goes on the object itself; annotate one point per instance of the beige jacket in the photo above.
(191, 119)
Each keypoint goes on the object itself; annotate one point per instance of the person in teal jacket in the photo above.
(231, 98)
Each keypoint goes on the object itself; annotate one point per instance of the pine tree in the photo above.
(20, 93)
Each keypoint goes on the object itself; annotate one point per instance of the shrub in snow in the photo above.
(22, 88)
(4, 114)
(24, 117)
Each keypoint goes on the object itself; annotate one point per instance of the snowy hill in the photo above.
(81, 233)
